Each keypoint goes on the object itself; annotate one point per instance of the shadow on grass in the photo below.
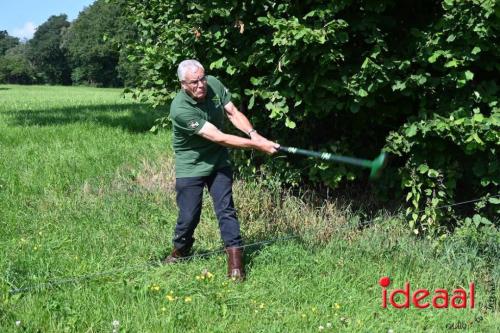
(135, 118)
(4, 88)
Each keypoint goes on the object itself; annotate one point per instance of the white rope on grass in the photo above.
(131, 269)
(142, 267)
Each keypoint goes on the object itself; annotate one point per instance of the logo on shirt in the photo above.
(193, 124)
(216, 100)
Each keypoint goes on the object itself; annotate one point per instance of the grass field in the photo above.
(87, 201)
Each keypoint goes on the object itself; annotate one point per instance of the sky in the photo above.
(21, 17)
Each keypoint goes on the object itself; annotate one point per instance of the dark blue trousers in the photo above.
(189, 201)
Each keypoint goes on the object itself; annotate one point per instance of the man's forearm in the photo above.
(212, 133)
(241, 122)
(237, 118)
(233, 141)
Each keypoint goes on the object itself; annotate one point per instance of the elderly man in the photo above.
(202, 159)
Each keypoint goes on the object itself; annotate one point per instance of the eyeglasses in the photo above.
(194, 83)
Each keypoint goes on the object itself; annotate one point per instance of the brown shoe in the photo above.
(235, 269)
(175, 256)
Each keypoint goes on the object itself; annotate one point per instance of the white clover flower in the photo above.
(116, 323)
(18, 322)
(321, 328)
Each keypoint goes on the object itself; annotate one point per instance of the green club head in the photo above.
(377, 165)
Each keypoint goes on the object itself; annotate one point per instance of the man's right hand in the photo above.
(266, 146)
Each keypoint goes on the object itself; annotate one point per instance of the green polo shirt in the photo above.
(194, 155)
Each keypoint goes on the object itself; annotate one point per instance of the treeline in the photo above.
(419, 80)
(86, 51)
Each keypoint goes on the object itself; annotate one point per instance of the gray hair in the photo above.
(186, 65)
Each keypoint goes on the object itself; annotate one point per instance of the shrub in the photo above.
(349, 77)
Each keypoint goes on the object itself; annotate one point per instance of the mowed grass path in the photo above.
(86, 192)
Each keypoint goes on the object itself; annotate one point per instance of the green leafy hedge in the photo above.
(351, 77)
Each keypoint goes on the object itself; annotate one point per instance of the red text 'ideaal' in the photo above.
(423, 298)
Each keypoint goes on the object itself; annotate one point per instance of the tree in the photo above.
(15, 66)
(46, 53)
(7, 42)
(93, 44)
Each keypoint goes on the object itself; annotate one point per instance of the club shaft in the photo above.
(327, 156)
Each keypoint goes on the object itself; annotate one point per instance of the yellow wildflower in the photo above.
(337, 306)
(261, 305)
(188, 299)
(205, 273)
(170, 298)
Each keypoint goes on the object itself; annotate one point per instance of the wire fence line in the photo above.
(132, 269)
(145, 266)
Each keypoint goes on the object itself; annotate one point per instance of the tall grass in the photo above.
(87, 201)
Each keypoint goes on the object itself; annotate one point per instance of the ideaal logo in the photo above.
(422, 298)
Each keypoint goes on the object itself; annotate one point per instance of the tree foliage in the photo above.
(93, 43)
(7, 42)
(15, 66)
(419, 80)
(89, 50)
(46, 53)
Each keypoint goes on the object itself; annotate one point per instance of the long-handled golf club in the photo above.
(375, 166)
